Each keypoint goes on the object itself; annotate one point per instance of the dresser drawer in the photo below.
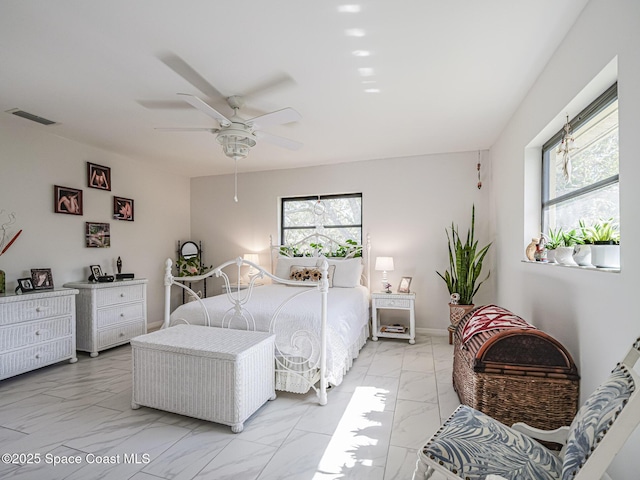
(119, 314)
(119, 295)
(37, 308)
(30, 358)
(393, 303)
(30, 333)
(120, 334)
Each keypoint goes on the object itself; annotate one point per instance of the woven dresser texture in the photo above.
(516, 375)
(215, 374)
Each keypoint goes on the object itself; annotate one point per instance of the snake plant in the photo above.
(465, 263)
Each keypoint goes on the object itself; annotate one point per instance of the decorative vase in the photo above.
(551, 256)
(456, 312)
(530, 251)
(564, 256)
(605, 255)
(582, 255)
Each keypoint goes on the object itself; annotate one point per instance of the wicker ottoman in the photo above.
(215, 374)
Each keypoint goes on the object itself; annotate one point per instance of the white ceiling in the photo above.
(450, 73)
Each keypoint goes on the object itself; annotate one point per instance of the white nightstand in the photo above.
(393, 301)
(110, 313)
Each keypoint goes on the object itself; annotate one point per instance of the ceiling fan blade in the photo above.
(187, 129)
(274, 83)
(205, 108)
(279, 117)
(279, 141)
(185, 70)
(162, 104)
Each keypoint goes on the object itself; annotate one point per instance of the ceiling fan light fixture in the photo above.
(235, 146)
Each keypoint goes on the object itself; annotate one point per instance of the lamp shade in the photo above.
(384, 264)
(252, 257)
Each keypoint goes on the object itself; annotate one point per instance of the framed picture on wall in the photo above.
(98, 176)
(41, 278)
(67, 200)
(403, 286)
(98, 235)
(123, 208)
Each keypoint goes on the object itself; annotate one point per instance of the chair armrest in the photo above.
(559, 435)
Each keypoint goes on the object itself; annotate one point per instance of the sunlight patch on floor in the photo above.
(351, 443)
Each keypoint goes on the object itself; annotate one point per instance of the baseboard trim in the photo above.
(433, 332)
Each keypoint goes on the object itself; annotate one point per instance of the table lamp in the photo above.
(384, 264)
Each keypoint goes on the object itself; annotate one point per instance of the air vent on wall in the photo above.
(30, 116)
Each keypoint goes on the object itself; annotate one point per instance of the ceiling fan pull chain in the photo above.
(235, 179)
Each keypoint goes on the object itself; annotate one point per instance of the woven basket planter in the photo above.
(456, 312)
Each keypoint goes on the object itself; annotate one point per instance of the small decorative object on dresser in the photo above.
(37, 329)
(393, 301)
(24, 285)
(96, 272)
(42, 278)
(109, 314)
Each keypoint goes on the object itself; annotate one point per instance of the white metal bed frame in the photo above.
(309, 371)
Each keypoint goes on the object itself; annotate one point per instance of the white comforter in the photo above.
(347, 319)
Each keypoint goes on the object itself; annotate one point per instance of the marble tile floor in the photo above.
(395, 396)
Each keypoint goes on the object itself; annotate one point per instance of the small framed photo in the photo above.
(25, 284)
(98, 176)
(41, 278)
(98, 235)
(96, 271)
(403, 287)
(67, 200)
(123, 208)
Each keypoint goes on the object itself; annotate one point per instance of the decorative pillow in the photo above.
(492, 317)
(310, 274)
(347, 272)
(284, 264)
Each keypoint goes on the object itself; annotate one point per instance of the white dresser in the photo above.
(36, 329)
(109, 314)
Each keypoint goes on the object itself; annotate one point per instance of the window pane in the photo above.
(596, 157)
(337, 216)
(599, 205)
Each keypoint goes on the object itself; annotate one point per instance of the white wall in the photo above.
(592, 313)
(33, 160)
(407, 204)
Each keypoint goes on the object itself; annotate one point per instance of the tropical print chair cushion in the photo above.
(594, 419)
(473, 446)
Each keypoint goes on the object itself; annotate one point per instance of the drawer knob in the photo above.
(37, 332)
(38, 309)
(122, 294)
(122, 334)
(122, 314)
(37, 355)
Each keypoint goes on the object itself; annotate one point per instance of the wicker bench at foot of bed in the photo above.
(214, 374)
(516, 376)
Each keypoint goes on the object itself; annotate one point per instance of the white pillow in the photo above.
(284, 264)
(348, 272)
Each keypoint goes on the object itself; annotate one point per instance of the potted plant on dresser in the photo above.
(465, 265)
(604, 239)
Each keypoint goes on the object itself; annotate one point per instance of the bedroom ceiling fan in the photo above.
(236, 134)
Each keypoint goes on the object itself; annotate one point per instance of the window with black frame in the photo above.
(588, 194)
(336, 216)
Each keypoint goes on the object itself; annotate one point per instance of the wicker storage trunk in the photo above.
(516, 375)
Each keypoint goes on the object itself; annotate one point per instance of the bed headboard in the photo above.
(319, 245)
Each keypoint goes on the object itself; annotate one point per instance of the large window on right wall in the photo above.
(589, 194)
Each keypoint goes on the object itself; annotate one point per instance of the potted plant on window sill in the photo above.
(604, 239)
(465, 266)
(554, 240)
(564, 252)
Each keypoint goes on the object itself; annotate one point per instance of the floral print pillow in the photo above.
(310, 274)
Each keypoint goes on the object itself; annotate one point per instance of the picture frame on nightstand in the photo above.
(403, 286)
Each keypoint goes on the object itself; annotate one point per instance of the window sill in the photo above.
(592, 268)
